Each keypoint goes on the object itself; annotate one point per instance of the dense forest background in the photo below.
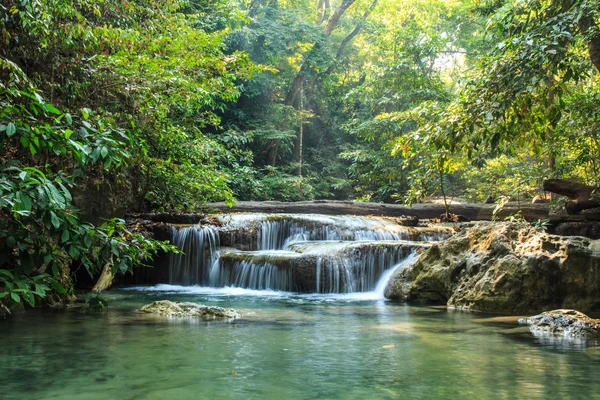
(115, 106)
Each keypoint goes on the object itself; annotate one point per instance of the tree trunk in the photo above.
(569, 188)
(337, 14)
(588, 26)
(594, 49)
(580, 193)
(550, 129)
(446, 206)
(300, 136)
(324, 7)
(105, 280)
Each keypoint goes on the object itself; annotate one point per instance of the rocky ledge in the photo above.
(506, 268)
(564, 323)
(172, 309)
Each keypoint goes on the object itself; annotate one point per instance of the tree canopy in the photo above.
(167, 105)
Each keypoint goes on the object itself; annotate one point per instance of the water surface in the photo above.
(285, 346)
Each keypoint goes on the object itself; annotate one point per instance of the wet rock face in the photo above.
(172, 309)
(504, 267)
(563, 322)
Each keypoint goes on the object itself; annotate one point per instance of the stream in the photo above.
(322, 332)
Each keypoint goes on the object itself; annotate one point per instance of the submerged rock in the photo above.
(504, 267)
(172, 309)
(563, 322)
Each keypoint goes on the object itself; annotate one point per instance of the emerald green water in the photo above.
(286, 347)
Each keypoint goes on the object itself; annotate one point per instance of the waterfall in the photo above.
(199, 245)
(387, 275)
(278, 231)
(357, 272)
(248, 275)
(298, 253)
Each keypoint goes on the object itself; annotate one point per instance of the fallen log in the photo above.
(580, 194)
(172, 218)
(569, 188)
(474, 212)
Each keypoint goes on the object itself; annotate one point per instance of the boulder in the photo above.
(504, 267)
(172, 309)
(563, 322)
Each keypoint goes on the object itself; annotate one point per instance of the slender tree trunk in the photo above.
(446, 206)
(300, 137)
(337, 14)
(549, 130)
(324, 6)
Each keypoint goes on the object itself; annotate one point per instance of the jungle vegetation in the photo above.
(167, 105)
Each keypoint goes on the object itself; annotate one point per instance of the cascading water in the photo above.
(299, 253)
(277, 231)
(199, 245)
(357, 270)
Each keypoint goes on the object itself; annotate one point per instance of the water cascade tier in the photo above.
(297, 253)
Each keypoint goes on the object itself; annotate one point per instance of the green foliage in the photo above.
(41, 235)
(524, 113)
(190, 98)
(95, 302)
(275, 184)
(517, 178)
(155, 72)
(17, 288)
(576, 144)
(515, 99)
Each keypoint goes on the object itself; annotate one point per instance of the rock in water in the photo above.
(172, 309)
(504, 267)
(563, 322)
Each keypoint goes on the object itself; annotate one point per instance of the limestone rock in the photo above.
(172, 309)
(504, 267)
(563, 322)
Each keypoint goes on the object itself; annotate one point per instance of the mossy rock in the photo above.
(168, 308)
(505, 268)
(563, 323)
